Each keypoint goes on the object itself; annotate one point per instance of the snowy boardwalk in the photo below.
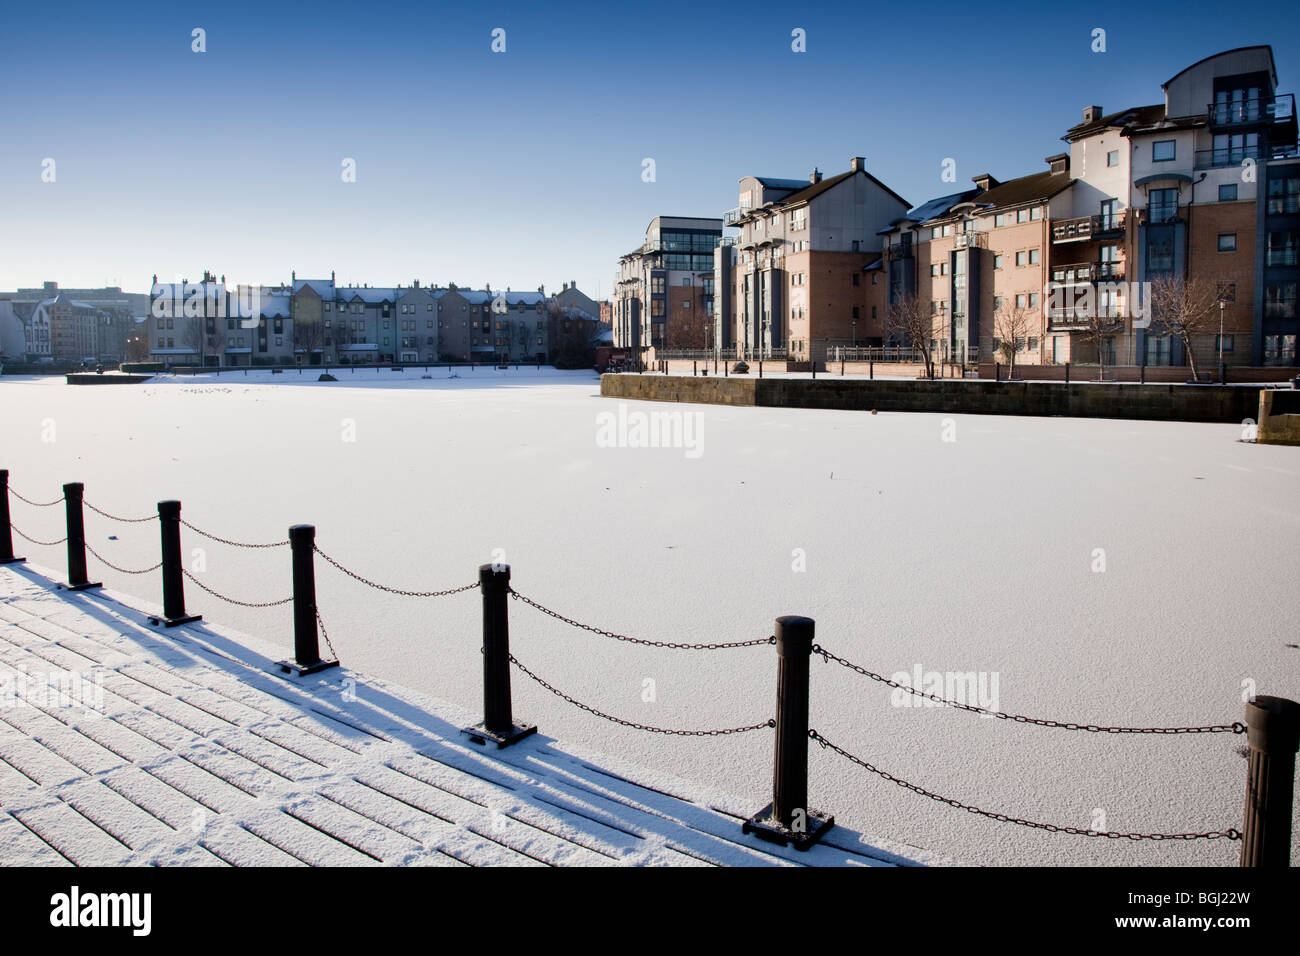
(187, 746)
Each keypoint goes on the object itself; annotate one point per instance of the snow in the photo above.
(973, 555)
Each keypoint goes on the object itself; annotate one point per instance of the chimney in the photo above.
(1091, 114)
(331, 277)
(815, 176)
(858, 164)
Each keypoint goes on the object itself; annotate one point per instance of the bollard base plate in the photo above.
(302, 670)
(175, 621)
(766, 827)
(88, 586)
(12, 560)
(479, 734)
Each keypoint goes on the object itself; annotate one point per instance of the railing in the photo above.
(733, 217)
(1271, 724)
(1262, 109)
(876, 353)
(1236, 155)
(1084, 272)
(1085, 228)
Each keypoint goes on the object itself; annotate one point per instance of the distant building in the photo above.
(664, 291)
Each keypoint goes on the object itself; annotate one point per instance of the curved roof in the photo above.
(1272, 66)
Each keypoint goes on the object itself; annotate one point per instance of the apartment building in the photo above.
(1206, 183)
(805, 271)
(50, 313)
(664, 290)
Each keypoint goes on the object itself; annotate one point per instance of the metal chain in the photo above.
(116, 517)
(1230, 833)
(36, 504)
(48, 544)
(1233, 728)
(637, 640)
(230, 600)
(234, 544)
(103, 560)
(326, 634)
(635, 726)
(383, 587)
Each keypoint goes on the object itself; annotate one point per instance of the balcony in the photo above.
(1087, 228)
(1262, 111)
(1082, 273)
(1222, 156)
(1079, 320)
(733, 217)
(970, 240)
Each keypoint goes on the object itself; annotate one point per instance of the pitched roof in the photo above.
(1026, 189)
(812, 190)
(1140, 115)
(936, 207)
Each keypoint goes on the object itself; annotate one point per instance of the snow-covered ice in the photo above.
(973, 555)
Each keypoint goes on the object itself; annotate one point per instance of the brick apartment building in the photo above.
(1206, 183)
(664, 290)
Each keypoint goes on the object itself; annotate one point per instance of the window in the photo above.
(997, 302)
(327, 306)
(1223, 342)
(947, 230)
(1162, 205)
(1163, 150)
(1282, 248)
(1227, 291)
(1033, 257)
(1228, 192)
(1021, 301)
(857, 279)
(1112, 158)
(686, 280)
(999, 220)
(1227, 242)
(1022, 215)
(1283, 196)
(1036, 213)
(997, 262)
(1033, 300)
(935, 232)
(1021, 258)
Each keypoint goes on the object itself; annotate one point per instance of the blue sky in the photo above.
(523, 167)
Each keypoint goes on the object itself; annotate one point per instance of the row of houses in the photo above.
(49, 324)
(318, 321)
(1202, 190)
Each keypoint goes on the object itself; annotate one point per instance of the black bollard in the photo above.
(1067, 373)
(306, 646)
(169, 519)
(871, 370)
(787, 818)
(695, 367)
(6, 532)
(1273, 733)
(760, 366)
(77, 580)
(997, 371)
(498, 723)
(1143, 373)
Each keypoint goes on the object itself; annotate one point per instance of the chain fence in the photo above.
(26, 537)
(233, 544)
(637, 640)
(37, 504)
(386, 589)
(230, 600)
(1233, 728)
(113, 517)
(1230, 833)
(104, 561)
(633, 724)
(320, 622)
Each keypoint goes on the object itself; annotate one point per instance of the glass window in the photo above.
(1228, 192)
(1112, 158)
(1162, 205)
(1033, 257)
(997, 262)
(1227, 242)
(1022, 215)
(1036, 213)
(1021, 258)
(1163, 150)
(1283, 196)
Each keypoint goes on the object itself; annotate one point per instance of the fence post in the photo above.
(1143, 373)
(306, 645)
(787, 818)
(6, 534)
(695, 367)
(1067, 373)
(871, 370)
(1273, 733)
(169, 520)
(760, 366)
(77, 580)
(498, 724)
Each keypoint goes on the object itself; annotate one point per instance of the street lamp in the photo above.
(1222, 302)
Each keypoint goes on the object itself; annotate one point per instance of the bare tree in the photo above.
(1185, 307)
(309, 336)
(1012, 325)
(910, 319)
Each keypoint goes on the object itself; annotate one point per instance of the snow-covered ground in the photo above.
(920, 554)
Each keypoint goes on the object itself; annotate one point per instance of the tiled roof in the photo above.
(1135, 115)
(1026, 189)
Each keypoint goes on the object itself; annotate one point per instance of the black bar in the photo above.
(306, 644)
(169, 520)
(1273, 733)
(1067, 373)
(77, 580)
(498, 718)
(788, 819)
(6, 533)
